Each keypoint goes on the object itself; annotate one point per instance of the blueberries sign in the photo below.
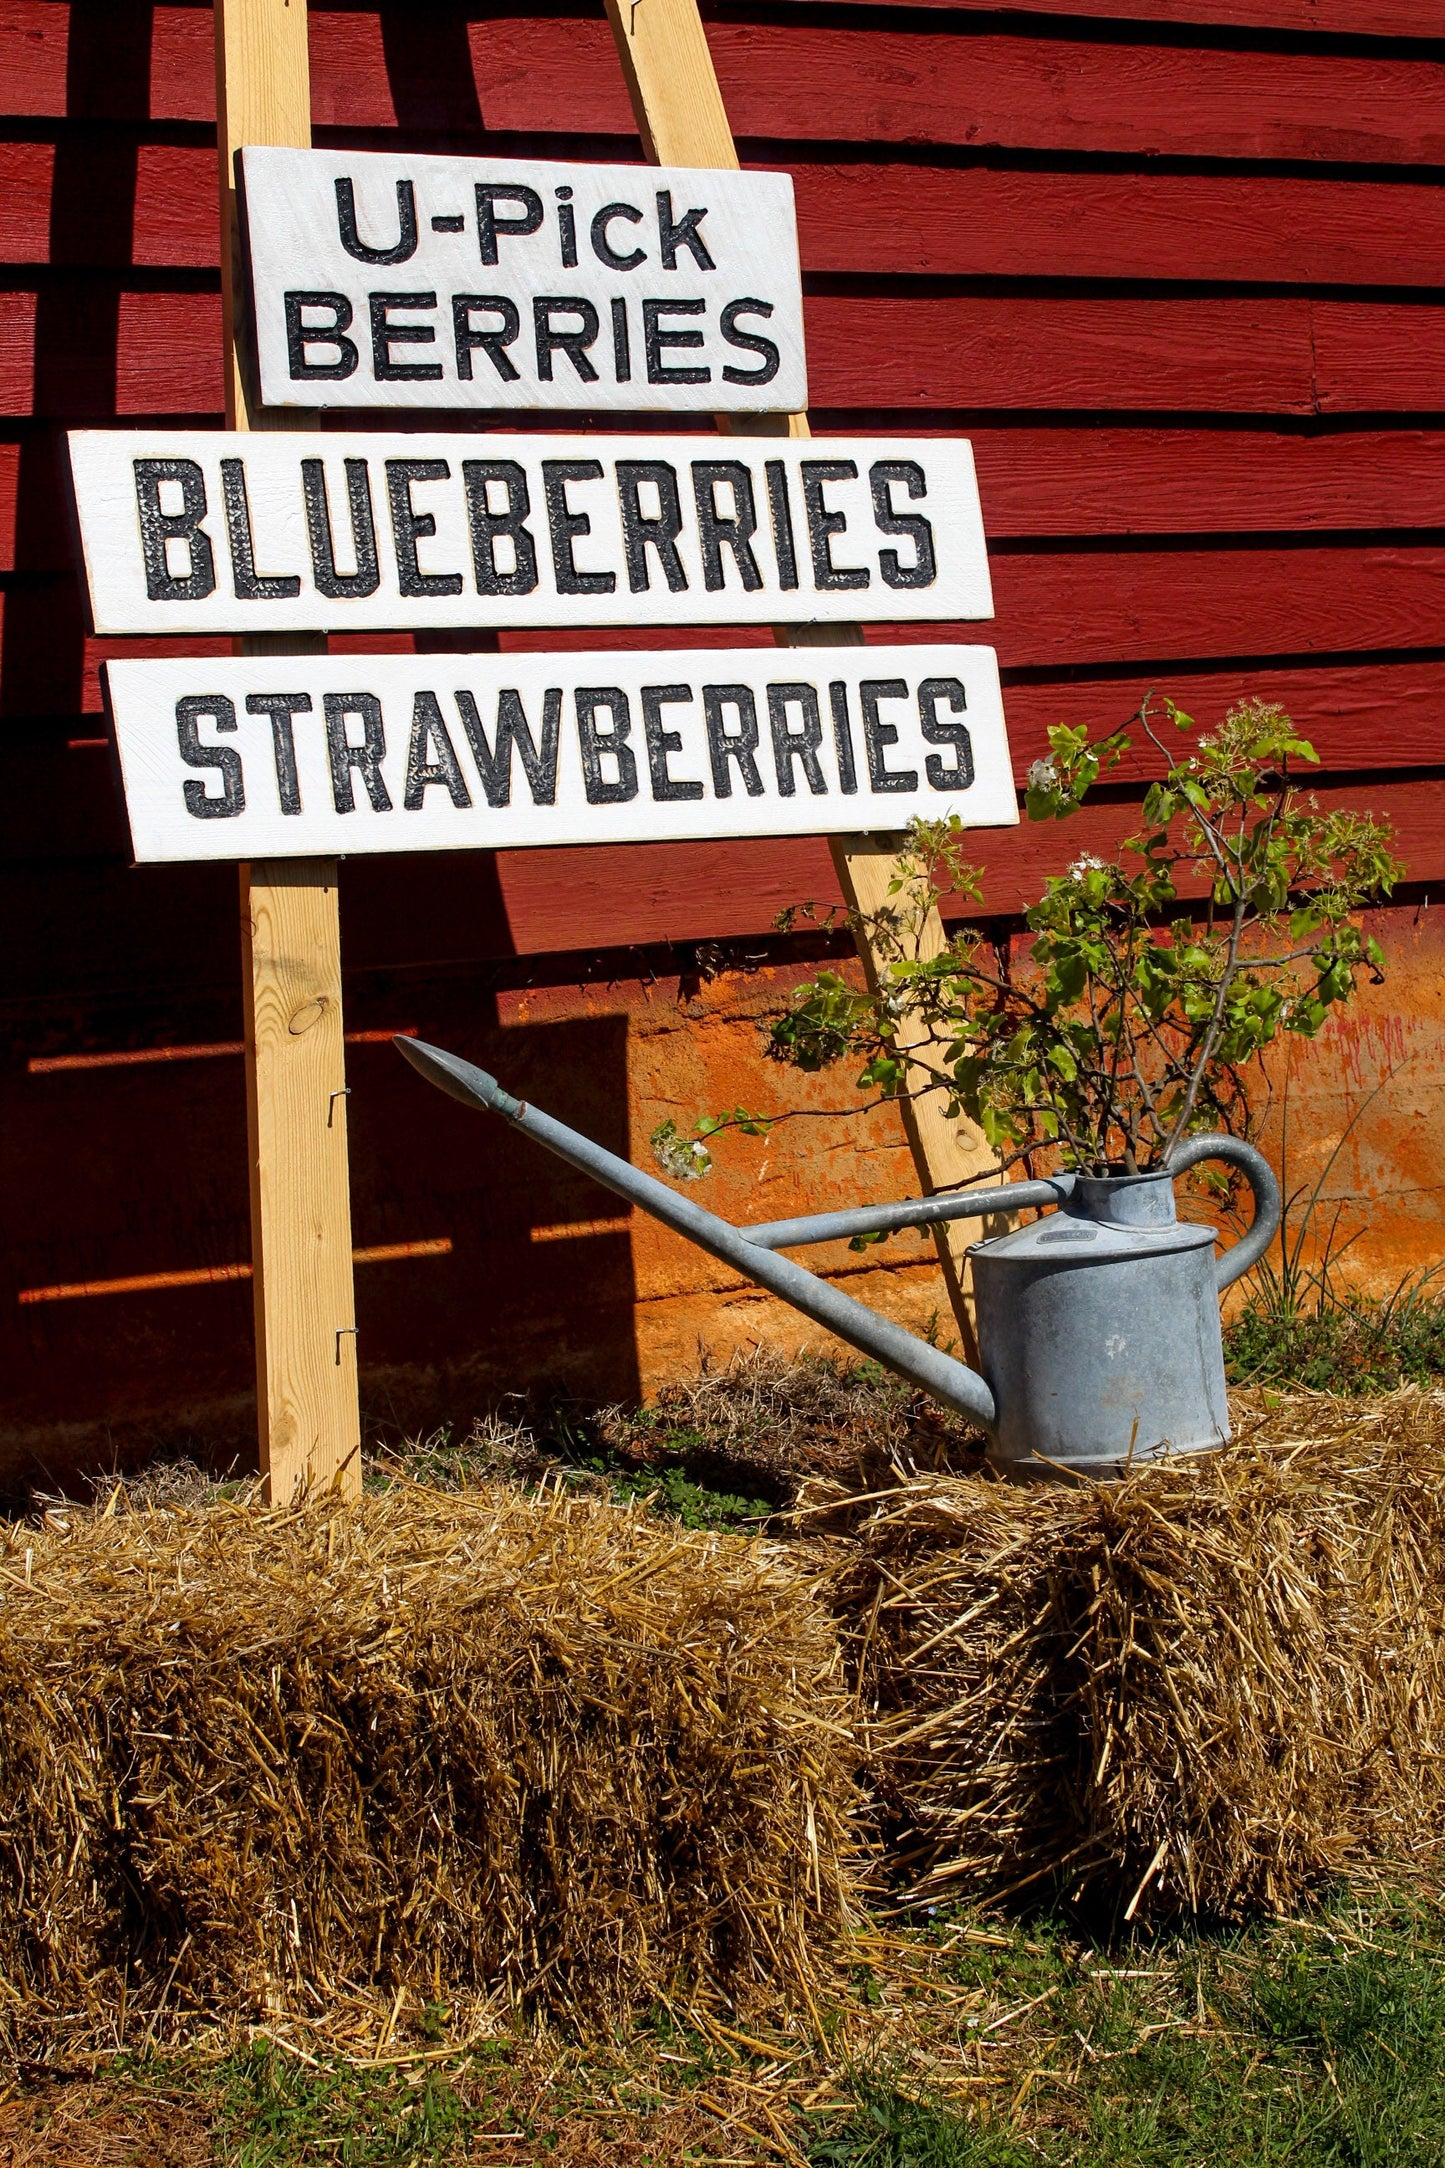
(201, 531)
(291, 757)
(380, 279)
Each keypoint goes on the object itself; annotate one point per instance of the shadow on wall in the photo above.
(514, 1271)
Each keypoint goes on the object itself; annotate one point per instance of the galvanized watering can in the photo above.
(1098, 1326)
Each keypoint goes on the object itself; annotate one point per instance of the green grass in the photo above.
(971, 2044)
(274, 2111)
(1319, 2045)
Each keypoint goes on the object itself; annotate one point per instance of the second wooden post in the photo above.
(683, 122)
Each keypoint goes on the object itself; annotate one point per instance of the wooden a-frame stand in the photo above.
(307, 1409)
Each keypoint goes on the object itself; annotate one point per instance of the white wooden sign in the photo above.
(385, 279)
(202, 531)
(275, 757)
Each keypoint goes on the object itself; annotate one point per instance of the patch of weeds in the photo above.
(673, 1493)
(893, 2130)
(275, 2111)
(495, 1449)
(1345, 1344)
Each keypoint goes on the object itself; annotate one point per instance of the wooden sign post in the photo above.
(306, 1392)
(682, 120)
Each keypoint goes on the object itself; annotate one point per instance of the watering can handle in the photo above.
(1260, 1176)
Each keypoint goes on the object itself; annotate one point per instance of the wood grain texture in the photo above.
(300, 1199)
(671, 83)
(308, 1416)
(792, 82)
(1358, 716)
(946, 1152)
(1102, 480)
(1321, 18)
(1095, 606)
(1182, 605)
(907, 217)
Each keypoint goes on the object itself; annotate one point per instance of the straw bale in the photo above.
(1205, 1689)
(438, 1744)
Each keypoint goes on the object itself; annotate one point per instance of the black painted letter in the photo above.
(510, 476)
(823, 524)
(301, 335)
(923, 570)
(878, 735)
(224, 758)
(157, 528)
(716, 529)
(595, 743)
(408, 526)
(802, 744)
(565, 526)
(281, 707)
(724, 745)
(657, 531)
(405, 222)
(365, 758)
(661, 741)
(936, 732)
(367, 577)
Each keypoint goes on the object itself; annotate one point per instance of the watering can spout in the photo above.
(938, 1374)
(460, 1080)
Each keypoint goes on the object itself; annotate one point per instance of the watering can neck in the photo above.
(1124, 1200)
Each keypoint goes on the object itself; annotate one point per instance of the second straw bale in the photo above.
(1204, 1690)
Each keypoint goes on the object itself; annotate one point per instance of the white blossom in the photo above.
(686, 1159)
(1043, 775)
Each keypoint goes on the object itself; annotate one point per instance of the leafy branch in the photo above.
(1135, 1007)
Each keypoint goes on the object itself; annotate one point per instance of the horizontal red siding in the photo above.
(784, 81)
(78, 352)
(689, 892)
(1176, 266)
(896, 219)
(1333, 18)
(1224, 344)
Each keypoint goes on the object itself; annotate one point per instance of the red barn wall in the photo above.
(1177, 267)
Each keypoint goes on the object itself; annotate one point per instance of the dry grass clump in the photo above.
(771, 1420)
(1204, 1689)
(437, 1746)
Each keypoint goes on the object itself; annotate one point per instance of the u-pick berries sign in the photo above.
(200, 531)
(289, 757)
(424, 282)
(380, 280)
